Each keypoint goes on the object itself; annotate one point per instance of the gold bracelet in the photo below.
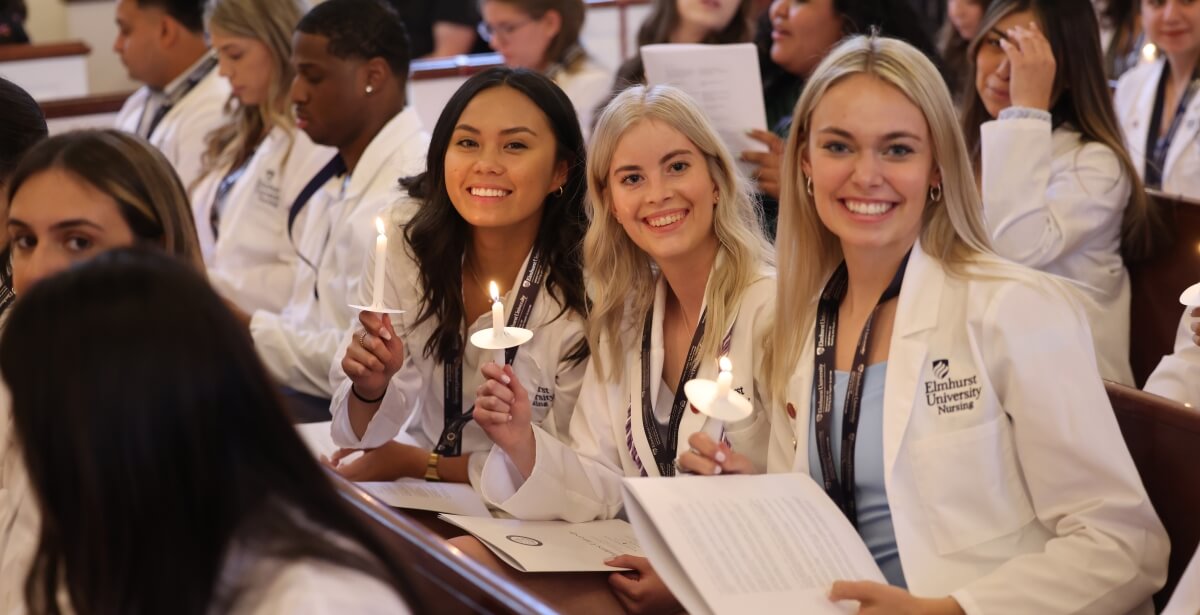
(431, 467)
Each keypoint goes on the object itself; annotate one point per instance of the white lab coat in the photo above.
(19, 517)
(1014, 492)
(581, 481)
(1055, 204)
(181, 132)
(252, 260)
(587, 87)
(1177, 376)
(414, 403)
(317, 588)
(1134, 102)
(337, 231)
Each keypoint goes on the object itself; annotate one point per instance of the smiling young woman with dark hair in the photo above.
(501, 202)
(150, 502)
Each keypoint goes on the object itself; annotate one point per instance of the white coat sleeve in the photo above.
(576, 483)
(1177, 376)
(1110, 550)
(1035, 218)
(320, 588)
(295, 357)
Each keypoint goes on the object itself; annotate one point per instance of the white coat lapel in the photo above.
(799, 403)
(1139, 127)
(916, 318)
(641, 444)
(1185, 136)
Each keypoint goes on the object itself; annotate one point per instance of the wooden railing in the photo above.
(13, 53)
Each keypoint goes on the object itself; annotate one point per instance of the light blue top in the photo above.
(874, 515)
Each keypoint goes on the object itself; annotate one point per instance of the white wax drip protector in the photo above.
(508, 338)
(378, 309)
(723, 409)
(1191, 296)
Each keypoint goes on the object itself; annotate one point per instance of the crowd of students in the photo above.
(952, 218)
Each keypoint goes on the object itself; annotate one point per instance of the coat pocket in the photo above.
(970, 486)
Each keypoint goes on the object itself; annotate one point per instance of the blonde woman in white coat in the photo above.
(679, 274)
(257, 163)
(989, 474)
(1059, 191)
(1157, 102)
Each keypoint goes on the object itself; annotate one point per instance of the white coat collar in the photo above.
(387, 143)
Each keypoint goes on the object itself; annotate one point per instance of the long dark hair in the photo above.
(1079, 97)
(152, 451)
(21, 126)
(438, 235)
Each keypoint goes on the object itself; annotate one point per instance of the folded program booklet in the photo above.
(552, 546)
(771, 543)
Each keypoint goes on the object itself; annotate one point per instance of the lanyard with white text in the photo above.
(842, 491)
(455, 420)
(664, 453)
(193, 79)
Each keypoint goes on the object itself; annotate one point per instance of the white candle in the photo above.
(724, 379)
(380, 260)
(497, 311)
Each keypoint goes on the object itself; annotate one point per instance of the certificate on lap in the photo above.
(552, 546)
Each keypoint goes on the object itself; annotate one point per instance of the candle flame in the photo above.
(379, 226)
(1149, 51)
(725, 364)
(495, 290)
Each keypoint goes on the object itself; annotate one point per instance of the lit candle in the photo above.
(380, 259)
(1148, 52)
(497, 321)
(724, 379)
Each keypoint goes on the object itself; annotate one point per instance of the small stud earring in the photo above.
(370, 89)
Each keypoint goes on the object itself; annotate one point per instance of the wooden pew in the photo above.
(54, 70)
(446, 582)
(1157, 283)
(1163, 438)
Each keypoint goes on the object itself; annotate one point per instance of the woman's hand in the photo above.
(879, 599)
(707, 457)
(640, 591)
(1031, 80)
(389, 462)
(503, 410)
(769, 162)
(374, 355)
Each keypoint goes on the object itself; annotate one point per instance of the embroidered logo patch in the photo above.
(948, 394)
(941, 368)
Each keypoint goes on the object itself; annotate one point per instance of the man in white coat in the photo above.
(162, 44)
(351, 59)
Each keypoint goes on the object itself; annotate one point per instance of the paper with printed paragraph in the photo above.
(415, 493)
(763, 544)
(552, 546)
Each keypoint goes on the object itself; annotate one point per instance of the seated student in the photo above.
(13, 14)
(1177, 376)
(162, 45)
(543, 35)
(1122, 36)
(257, 163)
(440, 28)
(680, 274)
(1157, 102)
(962, 24)
(351, 63)
(21, 126)
(502, 202)
(985, 470)
(1059, 190)
(73, 196)
(150, 502)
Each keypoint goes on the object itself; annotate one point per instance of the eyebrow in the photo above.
(60, 226)
(666, 157)
(507, 131)
(898, 134)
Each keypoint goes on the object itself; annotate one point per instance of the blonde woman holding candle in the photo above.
(980, 460)
(502, 202)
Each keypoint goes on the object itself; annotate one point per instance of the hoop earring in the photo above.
(559, 192)
(808, 185)
(935, 193)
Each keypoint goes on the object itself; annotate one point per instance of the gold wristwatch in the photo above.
(431, 467)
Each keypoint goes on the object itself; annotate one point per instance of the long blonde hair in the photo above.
(952, 228)
(621, 275)
(270, 22)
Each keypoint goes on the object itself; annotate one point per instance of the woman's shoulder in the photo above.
(1136, 78)
(1001, 290)
(319, 588)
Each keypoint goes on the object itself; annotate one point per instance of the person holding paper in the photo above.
(666, 203)
(502, 203)
(978, 454)
(151, 502)
(1178, 374)
(1070, 203)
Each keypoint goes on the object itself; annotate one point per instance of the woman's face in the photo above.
(246, 63)
(56, 220)
(662, 193)
(992, 69)
(964, 16)
(517, 36)
(1173, 25)
(802, 32)
(871, 162)
(706, 15)
(502, 161)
